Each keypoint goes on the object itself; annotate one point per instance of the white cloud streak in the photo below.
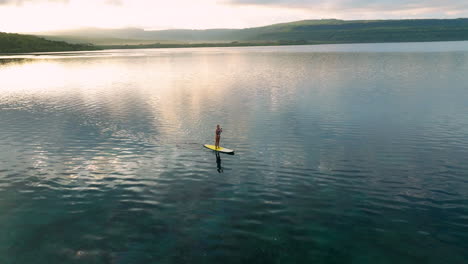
(21, 2)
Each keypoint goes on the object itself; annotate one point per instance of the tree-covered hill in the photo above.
(293, 33)
(15, 43)
(356, 31)
(309, 31)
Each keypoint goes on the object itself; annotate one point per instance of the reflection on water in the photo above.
(341, 155)
(218, 163)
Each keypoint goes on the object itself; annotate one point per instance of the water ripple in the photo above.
(338, 158)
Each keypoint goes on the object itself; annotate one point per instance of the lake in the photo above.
(343, 154)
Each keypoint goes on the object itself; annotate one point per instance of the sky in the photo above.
(47, 15)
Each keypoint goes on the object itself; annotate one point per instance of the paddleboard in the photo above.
(219, 149)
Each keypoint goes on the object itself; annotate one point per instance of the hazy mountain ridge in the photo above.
(294, 33)
(313, 31)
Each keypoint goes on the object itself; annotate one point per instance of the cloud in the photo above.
(354, 5)
(47, 15)
(114, 2)
(20, 2)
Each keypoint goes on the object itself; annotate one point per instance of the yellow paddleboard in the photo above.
(220, 149)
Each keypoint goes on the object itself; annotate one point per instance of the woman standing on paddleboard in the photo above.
(218, 136)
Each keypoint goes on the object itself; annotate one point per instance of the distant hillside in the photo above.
(96, 40)
(308, 31)
(358, 31)
(14, 43)
(139, 36)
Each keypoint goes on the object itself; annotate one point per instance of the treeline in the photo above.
(16, 43)
(201, 45)
(359, 31)
(308, 31)
(294, 33)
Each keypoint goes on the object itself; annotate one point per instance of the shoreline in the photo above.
(98, 48)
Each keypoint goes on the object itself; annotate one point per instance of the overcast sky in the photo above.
(41, 15)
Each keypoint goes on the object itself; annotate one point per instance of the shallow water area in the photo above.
(343, 154)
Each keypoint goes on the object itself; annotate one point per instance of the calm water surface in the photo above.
(344, 154)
